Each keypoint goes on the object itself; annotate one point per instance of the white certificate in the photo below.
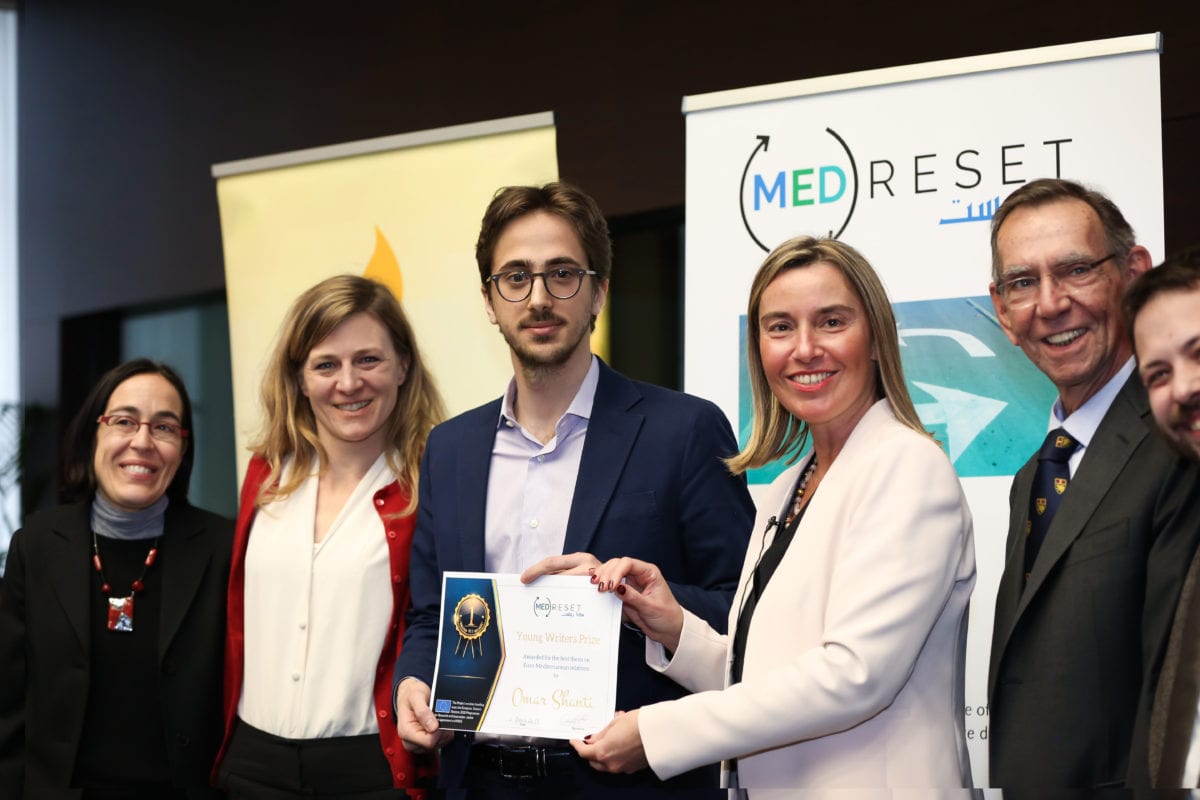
(529, 660)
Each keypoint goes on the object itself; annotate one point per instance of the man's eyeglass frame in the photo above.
(579, 272)
(1061, 281)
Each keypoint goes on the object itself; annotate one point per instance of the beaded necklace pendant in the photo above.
(120, 609)
(120, 614)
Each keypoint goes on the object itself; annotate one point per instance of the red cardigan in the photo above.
(406, 769)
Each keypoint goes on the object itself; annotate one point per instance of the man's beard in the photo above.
(538, 359)
(1175, 434)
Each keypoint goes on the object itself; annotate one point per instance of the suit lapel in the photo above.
(474, 462)
(1012, 581)
(186, 557)
(1178, 690)
(1119, 434)
(69, 577)
(612, 430)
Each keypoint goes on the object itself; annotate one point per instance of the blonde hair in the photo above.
(290, 428)
(775, 432)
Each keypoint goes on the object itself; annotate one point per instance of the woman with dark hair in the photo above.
(319, 584)
(112, 610)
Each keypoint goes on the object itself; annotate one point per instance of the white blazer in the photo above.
(853, 673)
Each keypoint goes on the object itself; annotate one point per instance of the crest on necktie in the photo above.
(1060, 485)
(1062, 441)
(1040, 505)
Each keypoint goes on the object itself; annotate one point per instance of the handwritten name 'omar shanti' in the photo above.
(560, 698)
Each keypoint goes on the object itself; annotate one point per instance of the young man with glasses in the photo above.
(574, 465)
(1098, 529)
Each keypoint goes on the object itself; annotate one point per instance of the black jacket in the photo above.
(45, 641)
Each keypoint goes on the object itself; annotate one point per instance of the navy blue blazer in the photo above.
(651, 485)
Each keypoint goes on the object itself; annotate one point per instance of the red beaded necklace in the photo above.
(120, 609)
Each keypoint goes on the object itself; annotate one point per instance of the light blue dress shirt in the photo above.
(530, 484)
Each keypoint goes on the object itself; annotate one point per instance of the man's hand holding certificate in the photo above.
(531, 660)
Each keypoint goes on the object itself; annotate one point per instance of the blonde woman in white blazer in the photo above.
(851, 662)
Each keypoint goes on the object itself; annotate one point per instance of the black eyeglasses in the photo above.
(160, 429)
(562, 283)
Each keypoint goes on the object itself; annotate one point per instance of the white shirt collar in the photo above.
(1083, 423)
(581, 403)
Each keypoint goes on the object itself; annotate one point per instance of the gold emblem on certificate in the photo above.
(471, 619)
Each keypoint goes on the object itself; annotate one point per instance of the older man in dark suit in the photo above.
(1163, 310)
(1078, 621)
(574, 465)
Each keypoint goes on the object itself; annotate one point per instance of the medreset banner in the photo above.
(908, 165)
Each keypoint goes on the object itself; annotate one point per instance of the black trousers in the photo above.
(573, 779)
(260, 766)
(163, 791)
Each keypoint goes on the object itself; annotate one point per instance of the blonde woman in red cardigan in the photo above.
(319, 582)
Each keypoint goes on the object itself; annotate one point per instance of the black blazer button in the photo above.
(182, 740)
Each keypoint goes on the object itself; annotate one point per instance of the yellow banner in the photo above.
(407, 215)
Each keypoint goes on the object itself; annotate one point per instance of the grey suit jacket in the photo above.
(1069, 648)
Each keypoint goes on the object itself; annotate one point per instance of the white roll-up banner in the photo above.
(908, 164)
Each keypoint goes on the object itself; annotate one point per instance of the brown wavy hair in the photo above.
(290, 428)
(559, 198)
(1178, 273)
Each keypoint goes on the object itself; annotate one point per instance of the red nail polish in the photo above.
(621, 589)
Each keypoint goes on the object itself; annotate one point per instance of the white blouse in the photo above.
(316, 614)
